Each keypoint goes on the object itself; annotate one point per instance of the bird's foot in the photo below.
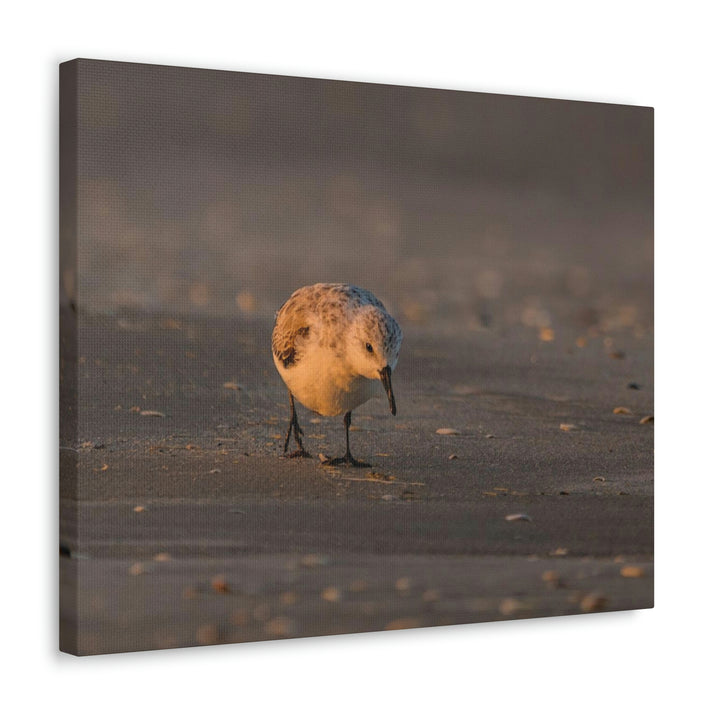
(299, 453)
(347, 460)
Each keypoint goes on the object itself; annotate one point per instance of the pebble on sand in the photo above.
(559, 552)
(402, 584)
(403, 623)
(511, 606)
(546, 334)
(279, 626)
(330, 594)
(137, 568)
(207, 635)
(219, 584)
(632, 571)
(593, 602)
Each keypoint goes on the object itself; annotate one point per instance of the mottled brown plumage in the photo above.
(335, 346)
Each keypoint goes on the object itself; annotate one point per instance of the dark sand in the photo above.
(188, 527)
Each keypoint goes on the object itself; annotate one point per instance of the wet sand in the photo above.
(182, 524)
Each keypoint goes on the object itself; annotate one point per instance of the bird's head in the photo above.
(374, 346)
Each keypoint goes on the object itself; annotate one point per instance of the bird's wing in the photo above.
(292, 327)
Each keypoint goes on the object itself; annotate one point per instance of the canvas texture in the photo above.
(480, 264)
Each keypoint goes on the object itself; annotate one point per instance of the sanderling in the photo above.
(335, 346)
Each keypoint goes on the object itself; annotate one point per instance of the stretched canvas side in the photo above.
(68, 327)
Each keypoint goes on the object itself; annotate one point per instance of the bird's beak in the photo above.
(385, 377)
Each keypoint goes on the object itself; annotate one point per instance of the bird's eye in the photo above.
(368, 347)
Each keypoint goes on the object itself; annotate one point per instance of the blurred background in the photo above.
(219, 192)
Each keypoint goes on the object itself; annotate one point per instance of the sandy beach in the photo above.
(511, 238)
(182, 524)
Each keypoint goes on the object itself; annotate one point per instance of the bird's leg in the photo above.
(296, 430)
(348, 459)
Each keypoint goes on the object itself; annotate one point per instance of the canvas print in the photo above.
(341, 357)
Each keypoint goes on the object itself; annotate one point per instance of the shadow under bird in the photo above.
(335, 347)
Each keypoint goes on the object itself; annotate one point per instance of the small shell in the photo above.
(622, 411)
(330, 594)
(510, 606)
(516, 517)
(593, 602)
(280, 626)
(137, 569)
(246, 301)
(632, 571)
(152, 413)
(403, 624)
(403, 583)
(647, 419)
(447, 431)
(219, 584)
(207, 635)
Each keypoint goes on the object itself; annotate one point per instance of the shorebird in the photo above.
(335, 347)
